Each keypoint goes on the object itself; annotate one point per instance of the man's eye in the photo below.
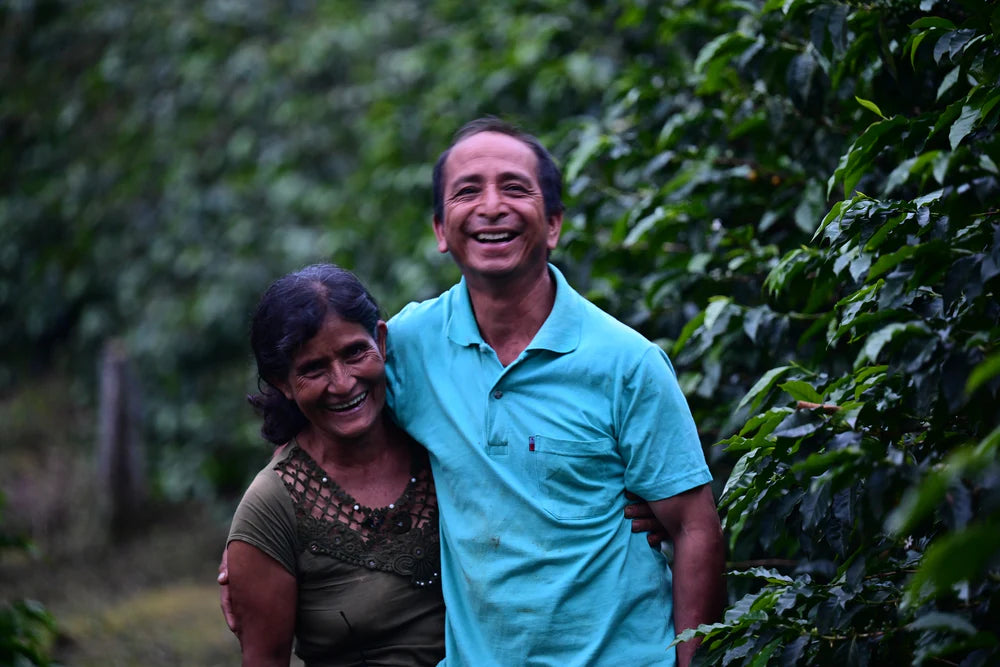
(466, 191)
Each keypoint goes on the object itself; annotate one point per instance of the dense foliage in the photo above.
(805, 207)
(798, 199)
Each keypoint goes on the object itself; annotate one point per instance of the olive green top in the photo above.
(368, 579)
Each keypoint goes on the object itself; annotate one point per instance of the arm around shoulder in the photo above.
(692, 521)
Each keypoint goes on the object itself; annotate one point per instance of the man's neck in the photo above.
(510, 315)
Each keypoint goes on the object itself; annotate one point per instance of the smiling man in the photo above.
(538, 410)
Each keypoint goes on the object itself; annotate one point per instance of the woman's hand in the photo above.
(643, 521)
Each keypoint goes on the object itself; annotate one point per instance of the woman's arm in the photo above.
(263, 599)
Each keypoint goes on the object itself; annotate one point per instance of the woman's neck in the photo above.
(373, 469)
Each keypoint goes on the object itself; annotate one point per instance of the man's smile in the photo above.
(494, 237)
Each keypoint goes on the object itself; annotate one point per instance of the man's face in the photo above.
(494, 222)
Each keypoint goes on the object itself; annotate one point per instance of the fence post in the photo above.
(121, 457)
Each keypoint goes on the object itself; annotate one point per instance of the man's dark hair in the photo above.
(549, 176)
(289, 314)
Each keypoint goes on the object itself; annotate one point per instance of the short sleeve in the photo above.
(658, 438)
(265, 519)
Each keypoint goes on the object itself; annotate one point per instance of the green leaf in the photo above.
(893, 259)
(720, 46)
(862, 153)
(922, 499)
(765, 422)
(913, 44)
(687, 331)
(948, 81)
(879, 236)
(764, 655)
(985, 371)
(790, 266)
(871, 106)
(932, 22)
(590, 144)
(742, 474)
(963, 126)
(645, 224)
(876, 341)
(762, 386)
(953, 558)
(823, 461)
(801, 391)
(936, 620)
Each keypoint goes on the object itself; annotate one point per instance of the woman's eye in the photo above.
(356, 351)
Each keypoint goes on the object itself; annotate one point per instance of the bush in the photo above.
(803, 197)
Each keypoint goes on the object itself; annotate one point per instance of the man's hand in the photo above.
(224, 594)
(644, 521)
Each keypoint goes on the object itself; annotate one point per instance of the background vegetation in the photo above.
(798, 199)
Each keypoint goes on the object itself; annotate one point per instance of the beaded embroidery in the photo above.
(401, 538)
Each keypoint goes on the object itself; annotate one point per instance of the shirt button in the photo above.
(497, 394)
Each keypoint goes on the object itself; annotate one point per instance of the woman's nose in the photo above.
(339, 379)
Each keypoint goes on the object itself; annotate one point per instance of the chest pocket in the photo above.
(576, 479)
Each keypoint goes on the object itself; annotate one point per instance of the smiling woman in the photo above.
(335, 543)
(337, 380)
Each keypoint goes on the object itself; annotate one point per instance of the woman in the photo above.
(335, 543)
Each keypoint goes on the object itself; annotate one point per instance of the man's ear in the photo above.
(381, 331)
(439, 234)
(555, 229)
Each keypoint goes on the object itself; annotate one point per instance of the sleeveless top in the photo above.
(368, 578)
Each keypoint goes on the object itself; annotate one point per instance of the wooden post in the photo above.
(121, 458)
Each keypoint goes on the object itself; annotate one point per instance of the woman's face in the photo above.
(337, 378)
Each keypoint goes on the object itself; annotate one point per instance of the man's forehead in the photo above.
(494, 147)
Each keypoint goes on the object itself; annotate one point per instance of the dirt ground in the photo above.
(152, 600)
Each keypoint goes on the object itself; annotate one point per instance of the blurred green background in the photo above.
(797, 199)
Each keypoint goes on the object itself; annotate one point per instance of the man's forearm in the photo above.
(699, 586)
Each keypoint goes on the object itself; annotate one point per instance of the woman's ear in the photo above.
(283, 387)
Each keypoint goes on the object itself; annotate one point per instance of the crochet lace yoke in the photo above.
(401, 537)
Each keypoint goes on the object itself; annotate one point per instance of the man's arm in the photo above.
(225, 599)
(692, 521)
(262, 599)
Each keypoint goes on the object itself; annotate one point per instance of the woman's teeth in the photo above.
(340, 407)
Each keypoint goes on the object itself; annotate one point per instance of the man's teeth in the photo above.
(495, 237)
(350, 404)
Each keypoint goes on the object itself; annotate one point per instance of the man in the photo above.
(538, 411)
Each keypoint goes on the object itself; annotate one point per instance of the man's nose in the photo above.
(492, 204)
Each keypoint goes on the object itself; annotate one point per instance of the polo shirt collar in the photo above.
(559, 333)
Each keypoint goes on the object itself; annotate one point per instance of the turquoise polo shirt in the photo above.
(531, 462)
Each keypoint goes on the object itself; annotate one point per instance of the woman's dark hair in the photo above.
(549, 176)
(289, 314)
